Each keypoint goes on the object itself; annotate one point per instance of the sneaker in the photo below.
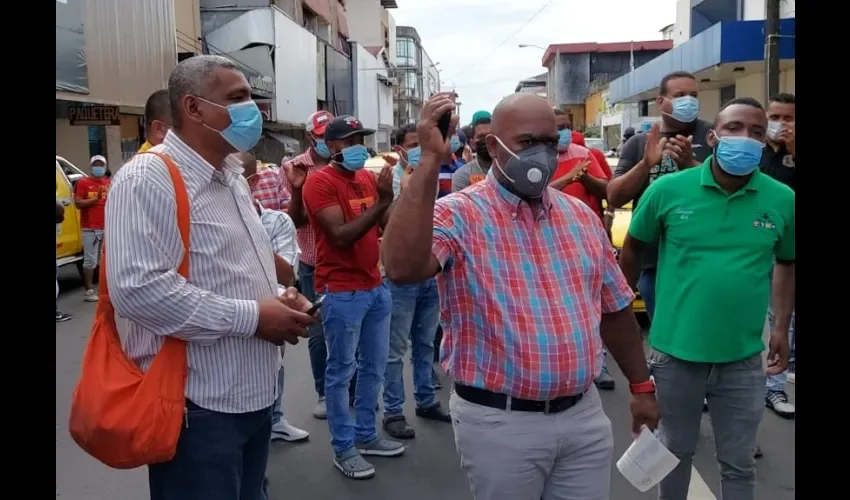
(435, 412)
(792, 373)
(353, 465)
(380, 447)
(604, 382)
(284, 431)
(778, 402)
(396, 426)
(321, 410)
(60, 317)
(704, 405)
(757, 452)
(91, 295)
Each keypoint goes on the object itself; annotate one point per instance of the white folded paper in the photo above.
(647, 461)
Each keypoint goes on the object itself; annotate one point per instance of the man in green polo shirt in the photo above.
(720, 229)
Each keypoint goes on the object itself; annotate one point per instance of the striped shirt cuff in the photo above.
(246, 317)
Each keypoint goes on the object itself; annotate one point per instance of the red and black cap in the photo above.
(343, 127)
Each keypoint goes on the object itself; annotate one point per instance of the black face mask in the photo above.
(481, 150)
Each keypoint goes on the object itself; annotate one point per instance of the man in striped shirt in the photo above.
(528, 283)
(228, 310)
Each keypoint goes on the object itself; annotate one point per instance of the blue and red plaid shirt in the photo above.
(522, 299)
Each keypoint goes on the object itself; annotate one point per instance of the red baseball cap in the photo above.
(318, 121)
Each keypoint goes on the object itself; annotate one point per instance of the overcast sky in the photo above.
(463, 35)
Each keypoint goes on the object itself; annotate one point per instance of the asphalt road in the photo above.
(429, 469)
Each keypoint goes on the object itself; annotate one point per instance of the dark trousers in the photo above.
(220, 456)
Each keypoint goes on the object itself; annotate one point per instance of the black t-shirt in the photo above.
(631, 153)
(779, 164)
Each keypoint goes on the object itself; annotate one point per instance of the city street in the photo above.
(429, 469)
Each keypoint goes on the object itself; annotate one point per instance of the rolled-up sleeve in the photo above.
(283, 240)
(143, 250)
(616, 292)
(447, 231)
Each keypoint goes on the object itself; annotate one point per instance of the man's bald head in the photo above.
(520, 107)
(521, 121)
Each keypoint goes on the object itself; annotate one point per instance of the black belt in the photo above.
(490, 399)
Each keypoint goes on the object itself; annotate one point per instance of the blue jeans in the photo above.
(776, 383)
(646, 287)
(316, 342)
(416, 312)
(353, 320)
(220, 456)
(277, 407)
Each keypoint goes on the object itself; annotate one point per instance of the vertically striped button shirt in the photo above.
(231, 266)
(306, 236)
(522, 298)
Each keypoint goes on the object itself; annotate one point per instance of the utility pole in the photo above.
(771, 48)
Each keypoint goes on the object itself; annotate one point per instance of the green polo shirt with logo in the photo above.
(715, 256)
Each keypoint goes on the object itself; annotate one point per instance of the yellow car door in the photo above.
(69, 242)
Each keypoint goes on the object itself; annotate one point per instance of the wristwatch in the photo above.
(646, 387)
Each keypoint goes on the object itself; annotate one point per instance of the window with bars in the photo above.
(405, 52)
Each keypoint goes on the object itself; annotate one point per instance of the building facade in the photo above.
(534, 85)
(574, 68)
(722, 42)
(417, 75)
(103, 78)
(312, 71)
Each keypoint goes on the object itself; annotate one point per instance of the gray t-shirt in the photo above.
(631, 153)
(467, 175)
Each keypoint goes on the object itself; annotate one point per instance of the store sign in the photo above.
(94, 115)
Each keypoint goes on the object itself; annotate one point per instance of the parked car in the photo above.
(69, 238)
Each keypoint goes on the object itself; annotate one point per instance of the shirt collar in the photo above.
(196, 166)
(514, 201)
(707, 178)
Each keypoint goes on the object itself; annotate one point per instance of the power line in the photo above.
(506, 40)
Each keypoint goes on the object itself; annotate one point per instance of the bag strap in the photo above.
(181, 197)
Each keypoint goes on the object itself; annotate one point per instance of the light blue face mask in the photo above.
(414, 155)
(565, 138)
(354, 157)
(738, 155)
(685, 108)
(321, 148)
(98, 171)
(246, 124)
(454, 143)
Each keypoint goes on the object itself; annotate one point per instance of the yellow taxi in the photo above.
(69, 239)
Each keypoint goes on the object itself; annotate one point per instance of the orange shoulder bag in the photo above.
(119, 415)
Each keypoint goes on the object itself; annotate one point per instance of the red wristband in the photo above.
(647, 387)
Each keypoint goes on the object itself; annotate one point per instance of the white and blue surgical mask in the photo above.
(321, 148)
(354, 157)
(565, 138)
(98, 171)
(246, 124)
(414, 155)
(454, 143)
(738, 155)
(685, 108)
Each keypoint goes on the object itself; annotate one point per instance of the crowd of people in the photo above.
(488, 251)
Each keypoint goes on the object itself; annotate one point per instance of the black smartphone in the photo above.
(669, 135)
(316, 305)
(443, 124)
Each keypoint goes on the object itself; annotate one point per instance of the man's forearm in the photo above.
(630, 260)
(597, 187)
(348, 234)
(561, 182)
(623, 189)
(408, 238)
(784, 284)
(296, 209)
(83, 203)
(284, 271)
(621, 334)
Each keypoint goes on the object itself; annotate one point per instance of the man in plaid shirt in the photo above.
(529, 288)
(264, 184)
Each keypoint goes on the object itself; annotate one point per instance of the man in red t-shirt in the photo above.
(346, 205)
(90, 198)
